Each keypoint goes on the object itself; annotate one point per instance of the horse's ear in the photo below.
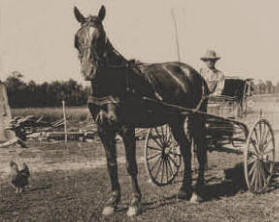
(80, 18)
(102, 13)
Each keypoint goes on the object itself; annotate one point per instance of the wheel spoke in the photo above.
(162, 134)
(268, 134)
(171, 170)
(175, 154)
(267, 143)
(254, 145)
(256, 135)
(153, 156)
(252, 156)
(158, 170)
(167, 131)
(267, 138)
(163, 170)
(259, 126)
(253, 175)
(154, 148)
(266, 130)
(251, 161)
(251, 170)
(159, 135)
(169, 136)
(167, 174)
(260, 131)
(155, 164)
(173, 161)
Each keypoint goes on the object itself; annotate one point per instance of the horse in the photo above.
(117, 105)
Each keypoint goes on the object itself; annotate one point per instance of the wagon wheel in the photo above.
(162, 155)
(259, 156)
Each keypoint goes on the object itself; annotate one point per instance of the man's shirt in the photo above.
(215, 80)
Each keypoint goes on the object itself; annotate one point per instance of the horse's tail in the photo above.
(204, 96)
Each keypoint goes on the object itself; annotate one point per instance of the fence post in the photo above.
(65, 122)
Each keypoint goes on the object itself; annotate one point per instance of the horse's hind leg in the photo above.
(197, 126)
(107, 136)
(128, 135)
(184, 142)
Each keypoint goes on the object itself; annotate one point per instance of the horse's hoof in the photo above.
(183, 195)
(195, 199)
(108, 210)
(134, 211)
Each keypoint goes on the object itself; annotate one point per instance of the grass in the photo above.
(73, 114)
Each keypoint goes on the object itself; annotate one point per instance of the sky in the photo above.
(36, 36)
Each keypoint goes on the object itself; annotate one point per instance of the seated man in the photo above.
(215, 79)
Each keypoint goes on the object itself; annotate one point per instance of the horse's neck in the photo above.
(114, 58)
(119, 77)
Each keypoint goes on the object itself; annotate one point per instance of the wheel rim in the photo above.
(259, 156)
(162, 156)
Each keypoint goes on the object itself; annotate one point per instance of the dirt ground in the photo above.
(70, 183)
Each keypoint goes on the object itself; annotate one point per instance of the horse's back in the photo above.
(176, 82)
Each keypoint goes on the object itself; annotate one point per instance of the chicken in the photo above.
(19, 177)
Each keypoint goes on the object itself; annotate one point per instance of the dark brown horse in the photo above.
(118, 107)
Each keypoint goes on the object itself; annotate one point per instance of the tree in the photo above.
(31, 94)
(269, 87)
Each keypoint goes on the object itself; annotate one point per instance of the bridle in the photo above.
(102, 61)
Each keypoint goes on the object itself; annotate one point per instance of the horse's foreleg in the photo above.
(128, 135)
(185, 191)
(107, 137)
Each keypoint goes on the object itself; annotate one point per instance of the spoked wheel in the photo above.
(162, 155)
(259, 156)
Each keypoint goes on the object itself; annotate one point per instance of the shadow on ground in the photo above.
(232, 183)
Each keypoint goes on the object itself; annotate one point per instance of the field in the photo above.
(70, 183)
(73, 114)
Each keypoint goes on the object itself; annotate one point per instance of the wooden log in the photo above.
(61, 135)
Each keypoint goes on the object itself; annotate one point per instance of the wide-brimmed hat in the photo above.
(210, 55)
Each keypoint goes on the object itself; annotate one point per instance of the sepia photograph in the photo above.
(139, 110)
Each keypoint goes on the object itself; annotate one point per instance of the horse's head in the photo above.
(90, 41)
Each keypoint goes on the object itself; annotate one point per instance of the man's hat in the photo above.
(210, 55)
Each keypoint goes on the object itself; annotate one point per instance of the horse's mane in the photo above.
(113, 56)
